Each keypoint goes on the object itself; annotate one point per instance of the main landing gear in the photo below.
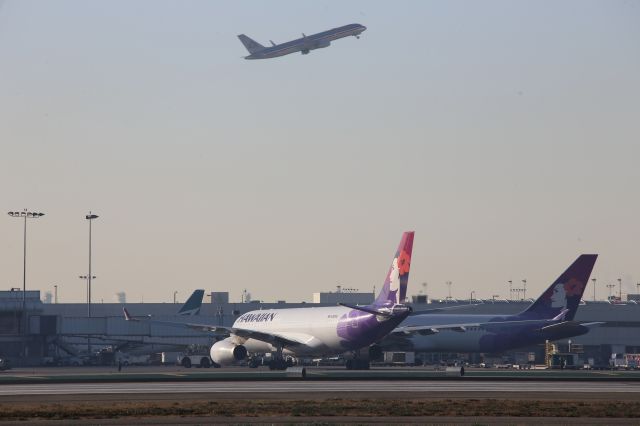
(280, 364)
(278, 361)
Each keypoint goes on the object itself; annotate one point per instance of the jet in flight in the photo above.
(303, 45)
(316, 331)
(550, 317)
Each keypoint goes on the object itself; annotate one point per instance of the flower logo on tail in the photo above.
(404, 262)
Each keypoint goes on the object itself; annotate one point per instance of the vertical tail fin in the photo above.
(394, 290)
(565, 292)
(251, 45)
(192, 305)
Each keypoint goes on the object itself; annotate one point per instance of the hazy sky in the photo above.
(505, 133)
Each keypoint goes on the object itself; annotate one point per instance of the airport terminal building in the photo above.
(31, 330)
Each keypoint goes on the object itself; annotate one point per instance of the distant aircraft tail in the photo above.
(251, 45)
(394, 290)
(193, 304)
(565, 292)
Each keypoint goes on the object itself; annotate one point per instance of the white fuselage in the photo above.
(315, 330)
(315, 327)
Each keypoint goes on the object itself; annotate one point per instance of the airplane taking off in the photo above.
(550, 317)
(316, 332)
(303, 45)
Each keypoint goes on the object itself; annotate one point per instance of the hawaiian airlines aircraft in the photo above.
(550, 317)
(303, 45)
(316, 332)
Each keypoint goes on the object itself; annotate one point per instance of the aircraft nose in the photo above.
(363, 28)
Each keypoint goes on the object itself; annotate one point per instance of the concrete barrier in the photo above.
(454, 371)
(296, 372)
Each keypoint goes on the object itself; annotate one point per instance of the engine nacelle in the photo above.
(225, 352)
(322, 44)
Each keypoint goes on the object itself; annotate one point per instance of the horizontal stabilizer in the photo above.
(367, 310)
(569, 326)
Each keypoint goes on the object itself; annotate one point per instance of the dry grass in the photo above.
(323, 408)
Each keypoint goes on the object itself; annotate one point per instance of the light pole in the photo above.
(89, 277)
(620, 288)
(610, 287)
(26, 214)
(86, 278)
(510, 289)
(174, 296)
(594, 289)
(55, 293)
(90, 218)
(524, 289)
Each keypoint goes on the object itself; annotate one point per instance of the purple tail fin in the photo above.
(394, 290)
(565, 292)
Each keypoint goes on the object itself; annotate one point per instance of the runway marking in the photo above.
(318, 387)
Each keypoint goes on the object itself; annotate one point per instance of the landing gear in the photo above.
(278, 361)
(305, 51)
(357, 364)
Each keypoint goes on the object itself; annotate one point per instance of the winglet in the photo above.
(127, 315)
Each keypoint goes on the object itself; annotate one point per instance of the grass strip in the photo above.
(322, 408)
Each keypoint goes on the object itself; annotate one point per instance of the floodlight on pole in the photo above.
(25, 214)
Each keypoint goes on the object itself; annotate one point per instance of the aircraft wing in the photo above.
(283, 339)
(446, 308)
(426, 330)
(274, 338)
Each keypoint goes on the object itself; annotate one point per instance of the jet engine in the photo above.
(225, 352)
(323, 43)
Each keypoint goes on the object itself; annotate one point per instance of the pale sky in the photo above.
(505, 133)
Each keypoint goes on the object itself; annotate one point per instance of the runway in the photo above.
(352, 388)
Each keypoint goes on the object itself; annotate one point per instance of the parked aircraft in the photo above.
(144, 345)
(192, 306)
(550, 317)
(303, 45)
(316, 331)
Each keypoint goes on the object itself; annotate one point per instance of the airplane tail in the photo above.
(565, 292)
(192, 305)
(251, 45)
(394, 290)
